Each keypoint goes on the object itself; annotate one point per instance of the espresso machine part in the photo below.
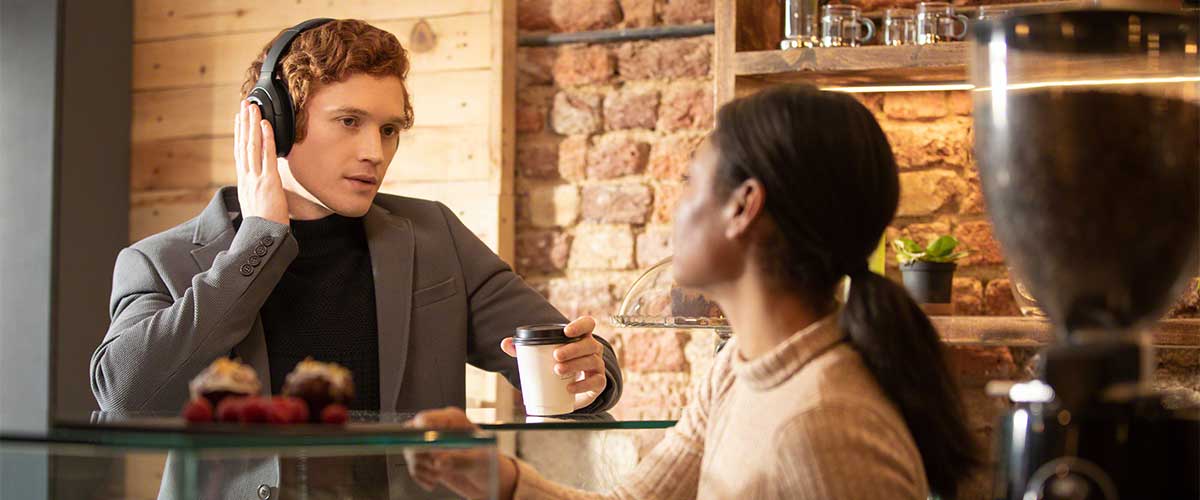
(1087, 125)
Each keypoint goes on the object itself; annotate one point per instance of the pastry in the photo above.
(224, 378)
(320, 385)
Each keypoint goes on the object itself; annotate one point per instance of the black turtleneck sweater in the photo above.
(324, 307)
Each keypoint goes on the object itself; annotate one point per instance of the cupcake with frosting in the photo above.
(320, 384)
(224, 378)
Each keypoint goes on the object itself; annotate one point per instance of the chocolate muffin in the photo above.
(223, 378)
(320, 385)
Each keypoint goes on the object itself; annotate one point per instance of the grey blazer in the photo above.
(191, 294)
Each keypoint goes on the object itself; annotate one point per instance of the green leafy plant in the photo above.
(939, 250)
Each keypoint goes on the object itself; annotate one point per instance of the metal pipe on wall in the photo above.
(620, 35)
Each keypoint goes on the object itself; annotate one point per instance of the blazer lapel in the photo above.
(214, 227)
(214, 233)
(390, 241)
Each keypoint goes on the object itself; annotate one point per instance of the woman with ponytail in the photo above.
(813, 399)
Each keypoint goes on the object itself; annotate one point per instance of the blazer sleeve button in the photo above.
(246, 270)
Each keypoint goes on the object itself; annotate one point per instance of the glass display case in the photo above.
(101, 460)
(133, 455)
(368, 423)
(656, 301)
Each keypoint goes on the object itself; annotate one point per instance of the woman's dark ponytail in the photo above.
(832, 188)
(903, 350)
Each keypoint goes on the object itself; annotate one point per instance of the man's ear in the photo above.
(745, 204)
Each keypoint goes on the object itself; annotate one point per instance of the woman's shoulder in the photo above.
(839, 377)
(870, 448)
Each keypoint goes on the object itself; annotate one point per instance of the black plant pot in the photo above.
(929, 282)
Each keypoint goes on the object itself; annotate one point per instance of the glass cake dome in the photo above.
(656, 301)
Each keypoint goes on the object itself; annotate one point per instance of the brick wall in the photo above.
(604, 135)
(931, 135)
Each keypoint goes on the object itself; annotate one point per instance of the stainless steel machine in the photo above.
(1088, 144)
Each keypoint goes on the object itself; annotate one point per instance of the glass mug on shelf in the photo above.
(842, 26)
(936, 23)
(899, 27)
(799, 24)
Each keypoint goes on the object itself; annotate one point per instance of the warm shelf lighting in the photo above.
(1095, 83)
(901, 88)
(1017, 86)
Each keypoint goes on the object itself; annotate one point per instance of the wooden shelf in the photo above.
(854, 66)
(1035, 332)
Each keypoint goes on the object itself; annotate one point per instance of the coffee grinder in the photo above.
(1087, 126)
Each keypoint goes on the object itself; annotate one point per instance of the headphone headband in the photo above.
(281, 45)
(271, 95)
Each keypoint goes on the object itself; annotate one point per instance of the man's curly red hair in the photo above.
(331, 53)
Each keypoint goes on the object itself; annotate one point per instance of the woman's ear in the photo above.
(743, 207)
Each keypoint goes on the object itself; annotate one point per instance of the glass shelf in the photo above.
(168, 429)
(492, 420)
(165, 457)
(655, 302)
(172, 432)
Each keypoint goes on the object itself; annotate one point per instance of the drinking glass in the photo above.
(842, 26)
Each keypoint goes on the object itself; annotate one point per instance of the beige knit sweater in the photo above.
(805, 421)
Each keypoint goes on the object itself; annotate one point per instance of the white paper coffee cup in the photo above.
(544, 392)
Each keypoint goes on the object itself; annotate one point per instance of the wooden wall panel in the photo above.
(475, 202)
(441, 154)
(423, 154)
(443, 99)
(184, 113)
(152, 212)
(181, 164)
(462, 42)
(503, 138)
(167, 19)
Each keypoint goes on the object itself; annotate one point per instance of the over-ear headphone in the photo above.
(271, 91)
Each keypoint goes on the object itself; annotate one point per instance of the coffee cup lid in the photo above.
(542, 334)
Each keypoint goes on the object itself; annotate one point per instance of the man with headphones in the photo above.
(305, 258)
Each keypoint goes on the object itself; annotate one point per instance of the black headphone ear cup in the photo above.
(276, 108)
(284, 124)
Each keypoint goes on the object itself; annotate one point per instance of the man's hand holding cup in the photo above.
(578, 356)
